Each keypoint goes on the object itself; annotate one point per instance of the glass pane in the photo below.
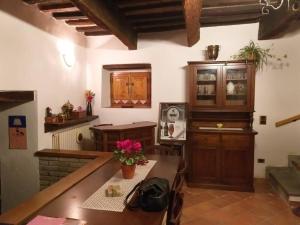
(207, 86)
(236, 86)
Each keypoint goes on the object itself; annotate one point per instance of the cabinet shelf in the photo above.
(233, 95)
(206, 81)
(68, 123)
(208, 95)
(236, 79)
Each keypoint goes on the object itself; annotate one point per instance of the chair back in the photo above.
(175, 208)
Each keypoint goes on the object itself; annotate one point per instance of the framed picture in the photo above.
(172, 122)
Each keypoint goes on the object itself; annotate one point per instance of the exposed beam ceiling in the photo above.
(102, 13)
(127, 18)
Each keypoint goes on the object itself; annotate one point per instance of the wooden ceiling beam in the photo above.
(97, 33)
(233, 18)
(217, 3)
(80, 22)
(231, 10)
(151, 5)
(57, 7)
(89, 29)
(158, 21)
(149, 11)
(192, 13)
(101, 13)
(68, 15)
(32, 2)
(165, 24)
(277, 21)
(226, 23)
(161, 28)
(155, 16)
(141, 3)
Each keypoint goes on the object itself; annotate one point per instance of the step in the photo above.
(286, 180)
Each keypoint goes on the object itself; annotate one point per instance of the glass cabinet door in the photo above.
(236, 87)
(206, 86)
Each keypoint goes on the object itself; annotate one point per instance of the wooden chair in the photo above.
(175, 208)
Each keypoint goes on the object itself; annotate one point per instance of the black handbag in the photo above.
(151, 195)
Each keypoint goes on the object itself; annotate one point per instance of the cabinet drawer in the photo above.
(236, 141)
(206, 140)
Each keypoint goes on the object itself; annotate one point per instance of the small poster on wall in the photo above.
(17, 132)
(172, 122)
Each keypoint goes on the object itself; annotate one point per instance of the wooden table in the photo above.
(106, 136)
(68, 204)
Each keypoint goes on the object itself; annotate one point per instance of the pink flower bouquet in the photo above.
(128, 152)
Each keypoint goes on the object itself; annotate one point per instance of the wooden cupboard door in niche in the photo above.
(120, 86)
(138, 86)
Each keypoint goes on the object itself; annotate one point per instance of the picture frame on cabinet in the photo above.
(172, 122)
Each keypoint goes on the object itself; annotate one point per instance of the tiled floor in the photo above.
(217, 207)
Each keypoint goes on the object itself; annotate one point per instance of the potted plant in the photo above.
(128, 152)
(256, 53)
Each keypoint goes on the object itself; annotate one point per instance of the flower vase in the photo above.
(128, 171)
(89, 111)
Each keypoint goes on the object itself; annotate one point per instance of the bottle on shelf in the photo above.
(166, 128)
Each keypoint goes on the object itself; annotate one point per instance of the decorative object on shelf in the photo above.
(128, 152)
(230, 88)
(172, 121)
(78, 113)
(48, 112)
(219, 125)
(89, 95)
(67, 110)
(213, 51)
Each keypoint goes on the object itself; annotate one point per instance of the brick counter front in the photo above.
(56, 164)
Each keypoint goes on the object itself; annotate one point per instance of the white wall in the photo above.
(19, 169)
(277, 87)
(30, 59)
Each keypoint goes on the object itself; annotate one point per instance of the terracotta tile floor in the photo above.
(217, 207)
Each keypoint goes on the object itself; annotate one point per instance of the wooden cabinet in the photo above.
(221, 85)
(107, 136)
(221, 159)
(131, 89)
(220, 142)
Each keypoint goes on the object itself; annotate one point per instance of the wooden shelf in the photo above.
(9, 99)
(68, 123)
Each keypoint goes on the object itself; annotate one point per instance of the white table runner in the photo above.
(99, 201)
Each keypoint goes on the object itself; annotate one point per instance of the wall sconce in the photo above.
(66, 49)
(69, 59)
